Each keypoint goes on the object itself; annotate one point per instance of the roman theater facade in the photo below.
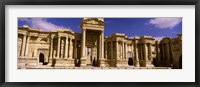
(65, 48)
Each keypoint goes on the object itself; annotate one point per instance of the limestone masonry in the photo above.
(65, 48)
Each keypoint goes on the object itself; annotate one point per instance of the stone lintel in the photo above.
(93, 28)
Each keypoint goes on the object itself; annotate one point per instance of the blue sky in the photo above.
(156, 27)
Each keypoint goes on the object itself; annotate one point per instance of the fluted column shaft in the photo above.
(141, 51)
(102, 44)
(51, 47)
(117, 54)
(111, 43)
(70, 48)
(66, 47)
(58, 48)
(106, 50)
(126, 51)
(27, 45)
(150, 52)
(83, 44)
(75, 49)
(23, 45)
(145, 51)
(136, 54)
(123, 57)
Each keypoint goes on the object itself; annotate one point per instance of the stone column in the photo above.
(102, 44)
(62, 49)
(66, 47)
(58, 48)
(168, 54)
(70, 49)
(136, 55)
(145, 51)
(111, 43)
(100, 55)
(132, 47)
(106, 50)
(123, 50)
(126, 51)
(117, 54)
(150, 52)
(23, 45)
(145, 54)
(27, 44)
(141, 51)
(75, 49)
(157, 52)
(163, 51)
(83, 44)
(51, 47)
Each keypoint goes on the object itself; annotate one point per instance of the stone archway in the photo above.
(130, 59)
(41, 58)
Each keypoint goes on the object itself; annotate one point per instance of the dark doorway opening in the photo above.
(41, 58)
(130, 61)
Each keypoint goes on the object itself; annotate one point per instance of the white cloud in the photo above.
(41, 23)
(158, 38)
(164, 23)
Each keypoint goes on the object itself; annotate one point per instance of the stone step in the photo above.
(90, 67)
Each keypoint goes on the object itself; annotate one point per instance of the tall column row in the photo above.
(67, 49)
(145, 52)
(25, 45)
(122, 46)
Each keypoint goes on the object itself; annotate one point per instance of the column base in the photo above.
(142, 63)
(103, 63)
(149, 64)
(62, 63)
(137, 64)
(120, 63)
(125, 62)
(83, 62)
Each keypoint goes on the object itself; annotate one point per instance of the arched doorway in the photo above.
(41, 58)
(130, 59)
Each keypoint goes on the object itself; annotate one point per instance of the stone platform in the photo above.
(91, 67)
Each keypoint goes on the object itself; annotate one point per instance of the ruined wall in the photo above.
(176, 52)
(169, 52)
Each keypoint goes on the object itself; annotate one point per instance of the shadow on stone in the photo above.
(53, 63)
